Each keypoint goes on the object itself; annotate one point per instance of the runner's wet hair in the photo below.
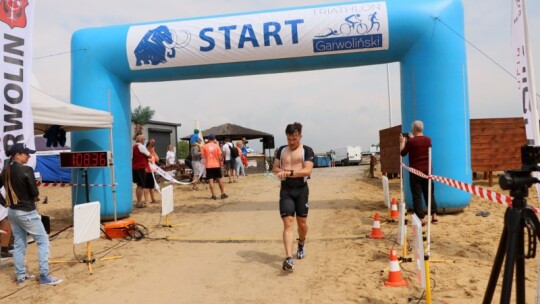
(294, 127)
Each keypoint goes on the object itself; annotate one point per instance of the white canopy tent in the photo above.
(48, 111)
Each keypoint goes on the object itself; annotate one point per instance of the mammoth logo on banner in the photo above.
(16, 21)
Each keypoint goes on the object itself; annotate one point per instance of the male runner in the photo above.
(293, 164)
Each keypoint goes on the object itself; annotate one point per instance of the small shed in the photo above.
(165, 134)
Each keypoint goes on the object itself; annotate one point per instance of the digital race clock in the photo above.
(94, 159)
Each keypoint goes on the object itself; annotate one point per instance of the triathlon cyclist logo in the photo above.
(353, 34)
(354, 25)
(12, 13)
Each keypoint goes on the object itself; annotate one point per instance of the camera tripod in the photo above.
(516, 219)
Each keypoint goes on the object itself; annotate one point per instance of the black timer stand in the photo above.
(86, 186)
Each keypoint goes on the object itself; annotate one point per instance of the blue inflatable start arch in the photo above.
(431, 56)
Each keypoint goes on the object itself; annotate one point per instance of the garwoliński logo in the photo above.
(12, 12)
(353, 33)
(159, 44)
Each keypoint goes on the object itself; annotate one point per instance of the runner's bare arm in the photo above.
(276, 168)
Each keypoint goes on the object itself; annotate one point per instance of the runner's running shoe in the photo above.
(288, 264)
(301, 251)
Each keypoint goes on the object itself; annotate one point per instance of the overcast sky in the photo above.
(337, 107)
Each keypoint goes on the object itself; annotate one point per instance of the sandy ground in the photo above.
(230, 251)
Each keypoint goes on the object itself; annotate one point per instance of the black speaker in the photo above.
(46, 223)
(268, 143)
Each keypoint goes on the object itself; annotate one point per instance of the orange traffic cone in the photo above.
(376, 232)
(394, 273)
(394, 214)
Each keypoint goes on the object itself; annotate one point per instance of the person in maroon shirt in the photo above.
(138, 165)
(417, 147)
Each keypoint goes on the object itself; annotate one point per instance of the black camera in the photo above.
(406, 134)
(530, 157)
(519, 180)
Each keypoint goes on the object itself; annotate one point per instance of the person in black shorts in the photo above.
(293, 164)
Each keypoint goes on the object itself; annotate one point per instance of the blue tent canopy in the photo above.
(49, 168)
(48, 162)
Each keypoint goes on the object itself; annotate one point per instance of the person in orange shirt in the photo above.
(213, 158)
(150, 182)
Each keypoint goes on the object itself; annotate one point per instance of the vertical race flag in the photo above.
(524, 73)
(525, 76)
(17, 124)
(526, 86)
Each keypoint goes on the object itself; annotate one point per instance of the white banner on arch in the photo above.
(323, 30)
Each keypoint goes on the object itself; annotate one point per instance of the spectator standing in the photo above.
(150, 182)
(171, 156)
(194, 137)
(229, 160)
(138, 131)
(240, 170)
(213, 157)
(21, 197)
(417, 147)
(244, 154)
(138, 167)
(333, 158)
(244, 146)
(196, 164)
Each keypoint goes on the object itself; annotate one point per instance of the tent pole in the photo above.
(113, 181)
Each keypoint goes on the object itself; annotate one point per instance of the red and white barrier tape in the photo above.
(416, 172)
(40, 184)
(166, 175)
(478, 191)
(152, 166)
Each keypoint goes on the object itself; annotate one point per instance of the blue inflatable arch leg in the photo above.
(432, 57)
